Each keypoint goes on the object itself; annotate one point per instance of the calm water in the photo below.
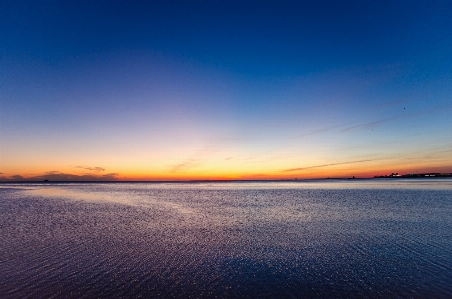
(330, 239)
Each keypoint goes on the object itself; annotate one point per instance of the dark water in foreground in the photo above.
(366, 239)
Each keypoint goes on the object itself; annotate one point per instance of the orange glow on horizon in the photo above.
(209, 165)
(218, 175)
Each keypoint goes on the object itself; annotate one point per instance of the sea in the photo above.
(376, 238)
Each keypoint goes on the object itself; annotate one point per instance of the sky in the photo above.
(199, 90)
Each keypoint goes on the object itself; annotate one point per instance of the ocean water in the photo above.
(308, 239)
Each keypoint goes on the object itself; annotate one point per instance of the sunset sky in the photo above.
(181, 90)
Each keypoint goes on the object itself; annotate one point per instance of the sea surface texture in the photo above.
(324, 239)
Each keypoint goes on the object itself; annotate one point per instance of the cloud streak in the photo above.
(188, 164)
(369, 125)
(325, 165)
(91, 168)
(197, 159)
(320, 131)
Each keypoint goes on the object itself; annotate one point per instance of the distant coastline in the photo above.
(414, 175)
(390, 176)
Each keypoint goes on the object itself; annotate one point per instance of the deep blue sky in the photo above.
(172, 89)
(253, 38)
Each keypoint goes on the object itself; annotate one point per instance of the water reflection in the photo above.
(228, 240)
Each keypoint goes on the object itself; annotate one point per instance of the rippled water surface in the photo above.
(325, 239)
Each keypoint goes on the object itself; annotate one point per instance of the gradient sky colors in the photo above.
(174, 90)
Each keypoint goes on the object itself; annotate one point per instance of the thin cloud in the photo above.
(295, 139)
(369, 125)
(195, 160)
(320, 131)
(315, 132)
(91, 168)
(326, 165)
(188, 164)
(60, 176)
